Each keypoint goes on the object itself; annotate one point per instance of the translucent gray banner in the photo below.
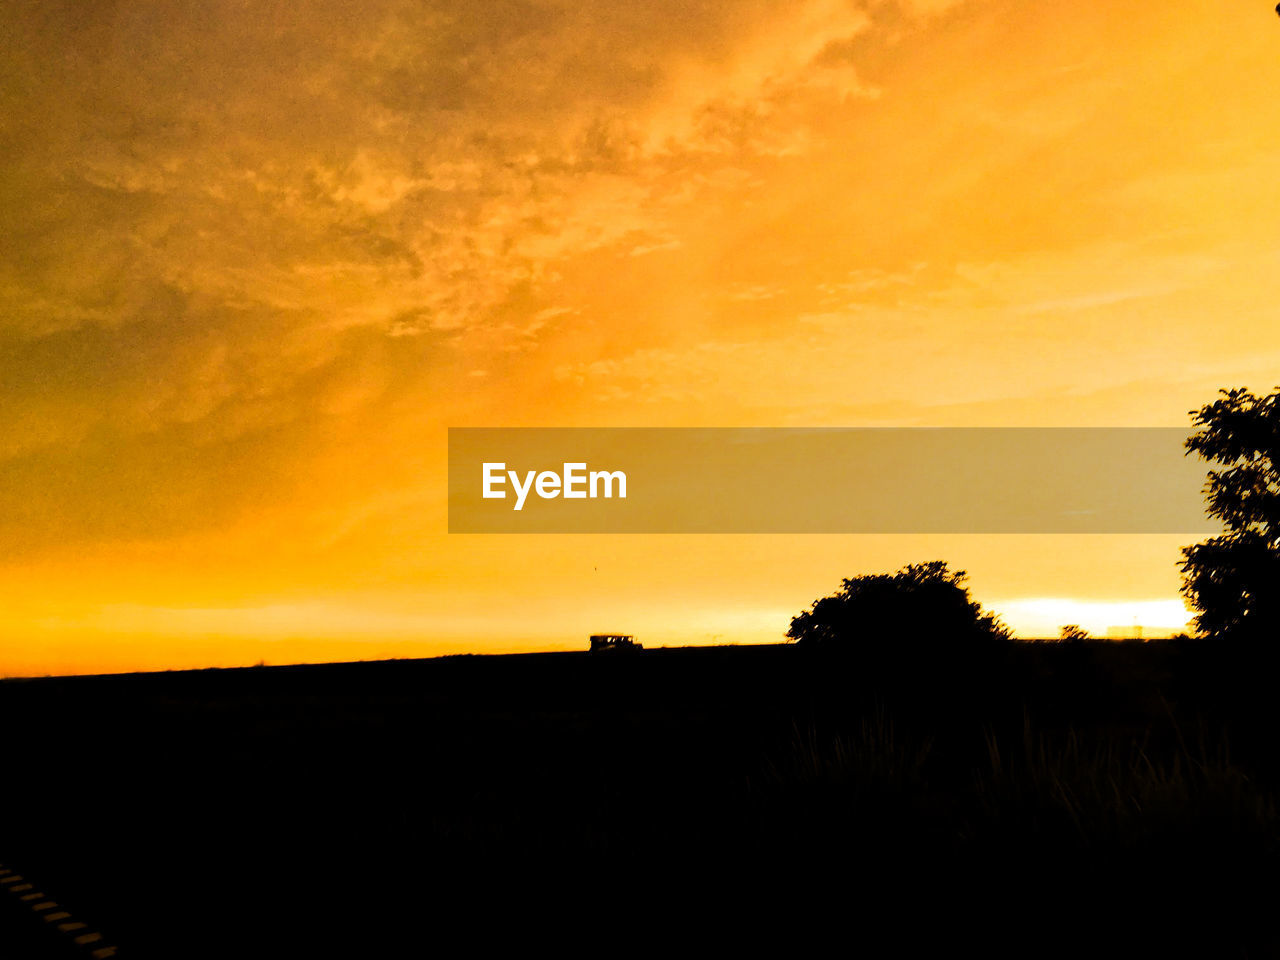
(825, 480)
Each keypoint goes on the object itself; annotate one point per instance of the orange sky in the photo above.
(258, 258)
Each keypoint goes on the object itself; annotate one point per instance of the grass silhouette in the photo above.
(361, 801)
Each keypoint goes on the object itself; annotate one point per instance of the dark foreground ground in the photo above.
(1123, 795)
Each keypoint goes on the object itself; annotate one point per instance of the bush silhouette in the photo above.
(925, 603)
(1233, 580)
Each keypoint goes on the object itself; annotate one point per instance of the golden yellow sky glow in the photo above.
(257, 258)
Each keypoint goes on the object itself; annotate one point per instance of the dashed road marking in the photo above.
(48, 910)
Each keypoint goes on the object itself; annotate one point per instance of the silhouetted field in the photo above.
(286, 811)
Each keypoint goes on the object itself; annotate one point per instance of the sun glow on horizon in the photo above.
(1042, 617)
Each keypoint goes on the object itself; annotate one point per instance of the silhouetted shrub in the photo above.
(924, 603)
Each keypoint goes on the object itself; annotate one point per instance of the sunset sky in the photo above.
(259, 256)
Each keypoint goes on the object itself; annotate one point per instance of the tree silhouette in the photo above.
(1234, 579)
(924, 602)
